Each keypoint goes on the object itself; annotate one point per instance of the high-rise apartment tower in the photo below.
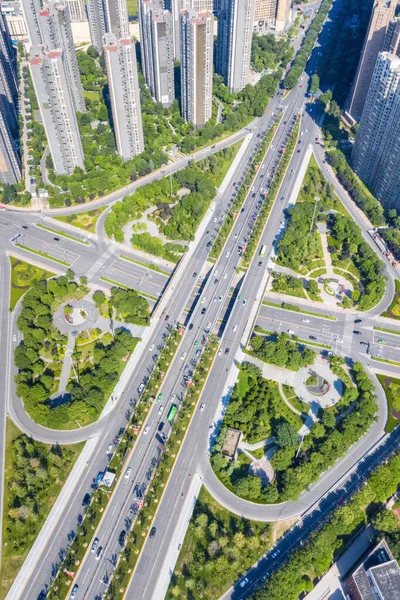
(391, 42)
(382, 13)
(107, 16)
(157, 48)
(55, 27)
(31, 10)
(57, 109)
(376, 152)
(76, 10)
(124, 95)
(235, 30)
(196, 39)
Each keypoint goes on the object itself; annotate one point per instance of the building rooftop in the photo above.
(378, 576)
(231, 443)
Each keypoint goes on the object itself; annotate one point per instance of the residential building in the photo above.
(10, 162)
(107, 16)
(177, 6)
(235, 30)
(31, 10)
(157, 48)
(283, 12)
(55, 26)
(382, 13)
(377, 577)
(391, 42)
(196, 38)
(264, 15)
(77, 10)
(123, 86)
(15, 20)
(97, 23)
(376, 151)
(57, 109)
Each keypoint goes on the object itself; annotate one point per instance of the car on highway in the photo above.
(121, 538)
(225, 275)
(220, 299)
(151, 348)
(226, 350)
(146, 429)
(275, 554)
(190, 326)
(74, 591)
(128, 472)
(196, 343)
(14, 338)
(306, 320)
(166, 318)
(227, 254)
(339, 341)
(357, 320)
(152, 532)
(56, 239)
(140, 388)
(220, 352)
(198, 352)
(244, 302)
(183, 356)
(312, 337)
(173, 398)
(203, 299)
(160, 410)
(259, 263)
(195, 274)
(381, 341)
(99, 552)
(215, 281)
(109, 448)
(203, 310)
(357, 332)
(235, 328)
(244, 582)
(94, 545)
(159, 397)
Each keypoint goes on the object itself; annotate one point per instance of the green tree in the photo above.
(386, 520)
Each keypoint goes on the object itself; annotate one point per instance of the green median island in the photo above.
(34, 476)
(23, 276)
(71, 359)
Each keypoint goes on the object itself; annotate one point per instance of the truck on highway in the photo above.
(263, 250)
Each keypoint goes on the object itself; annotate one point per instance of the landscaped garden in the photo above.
(393, 312)
(34, 475)
(258, 411)
(391, 387)
(218, 548)
(280, 350)
(23, 276)
(98, 364)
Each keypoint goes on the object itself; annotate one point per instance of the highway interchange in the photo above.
(101, 259)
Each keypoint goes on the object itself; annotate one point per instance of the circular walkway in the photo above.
(312, 395)
(77, 305)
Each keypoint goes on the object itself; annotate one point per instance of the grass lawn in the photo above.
(132, 8)
(219, 175)
(385, 382)
(95, 96)
(23, 276)
(393, 312)
(12, 557)
(85, 220)
(215, 537)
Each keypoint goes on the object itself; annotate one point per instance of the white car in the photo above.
(219, 299)
(306, 320)
(160, 410)
(14, 338)
(202, 407)
(128, 472)
(235, 328)
(94, 545)
(141, 388)
(225, 275)
(220, 352)
(151, 348)
(146, 429)
(209, 325)
(203, 299)
(275, 554)
(244, 582)
(173, 397)
(339, 341)
(183, 356)
(109, 448)
(227, 254)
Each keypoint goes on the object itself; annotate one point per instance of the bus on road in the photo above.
(172, 412)
(262, 251)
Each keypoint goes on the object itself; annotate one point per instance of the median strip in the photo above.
(386, 360)
(43, 254)
(127, 287)
(294, 308)
(387, 330)
(293, 338)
